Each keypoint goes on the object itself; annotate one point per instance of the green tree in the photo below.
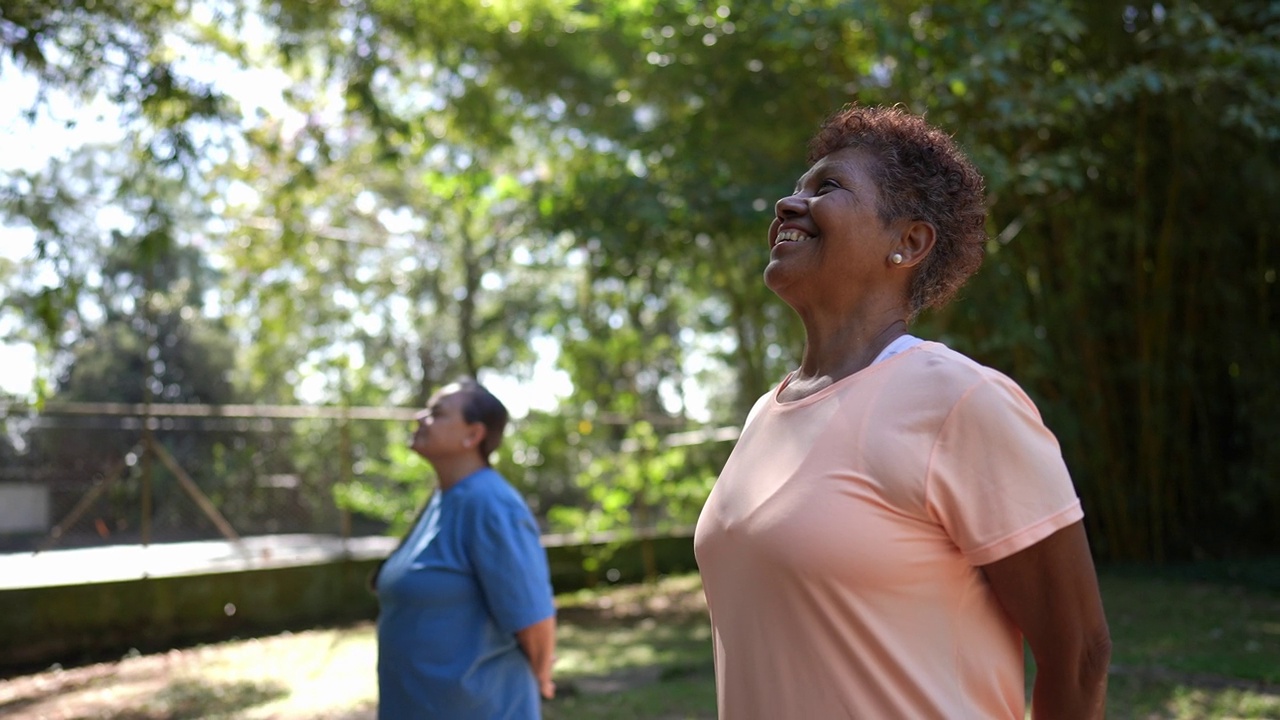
(1128, 151)
(458, 180)
(1099, 128)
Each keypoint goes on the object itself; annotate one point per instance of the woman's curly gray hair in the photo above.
(922, 175)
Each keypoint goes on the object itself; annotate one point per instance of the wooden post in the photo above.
(148, 439)
(194, 491)
(643, 515)
(344, 475)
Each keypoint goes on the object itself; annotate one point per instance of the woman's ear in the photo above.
(915, 242)
(476, 433)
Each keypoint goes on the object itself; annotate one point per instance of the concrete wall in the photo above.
(74, 624)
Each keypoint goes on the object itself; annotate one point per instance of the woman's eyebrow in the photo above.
(801, 182)
(813, 178)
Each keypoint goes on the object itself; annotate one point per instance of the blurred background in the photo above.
(241, 242)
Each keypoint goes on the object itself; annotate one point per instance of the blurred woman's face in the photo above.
(442, 429)
(827, 242)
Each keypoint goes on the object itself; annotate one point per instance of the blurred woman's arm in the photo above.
(539, 644)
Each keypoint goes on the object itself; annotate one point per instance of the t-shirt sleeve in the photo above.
(511, 566)
(997, 481)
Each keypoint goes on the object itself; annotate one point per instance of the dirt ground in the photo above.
(324, 674)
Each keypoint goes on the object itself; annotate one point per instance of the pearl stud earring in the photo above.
(896, 258)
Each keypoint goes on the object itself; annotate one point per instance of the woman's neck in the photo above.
(452, 471)
(839, 349)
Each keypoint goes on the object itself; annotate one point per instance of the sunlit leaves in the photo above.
(391, 487)
(450, 182)
(641, 482)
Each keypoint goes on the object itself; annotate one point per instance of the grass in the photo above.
(1190, 649)
(1185, 649)
(1195, 628)
(639, 651)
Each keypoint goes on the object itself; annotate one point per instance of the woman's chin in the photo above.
(777, 277)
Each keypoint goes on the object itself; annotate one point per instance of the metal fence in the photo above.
(81, 474)
(85, 474)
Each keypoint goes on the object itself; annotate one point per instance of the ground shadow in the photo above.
(193, 699)
(85, 680)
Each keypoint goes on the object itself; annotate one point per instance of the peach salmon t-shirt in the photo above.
(840, 547)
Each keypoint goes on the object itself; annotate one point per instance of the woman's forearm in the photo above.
(539, 644)
(1074, 690)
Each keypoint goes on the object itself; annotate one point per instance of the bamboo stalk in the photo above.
(1156, 426)
(1106, 463)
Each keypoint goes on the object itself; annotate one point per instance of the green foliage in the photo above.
(390, 489)
(540, 457)
(1118, 240)
(454, 182)
(128, 53)
(644, 484)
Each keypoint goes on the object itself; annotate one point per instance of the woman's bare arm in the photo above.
(1050, 590)
(539, 644)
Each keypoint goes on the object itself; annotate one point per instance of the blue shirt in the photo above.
(470, 573)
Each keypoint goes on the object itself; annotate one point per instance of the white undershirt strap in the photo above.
(905, 342)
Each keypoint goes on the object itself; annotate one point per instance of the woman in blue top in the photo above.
(466, 629)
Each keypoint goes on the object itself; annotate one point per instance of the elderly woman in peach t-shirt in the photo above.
(895, 518)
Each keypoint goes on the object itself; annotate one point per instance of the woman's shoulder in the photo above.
(488, 490)
(945, 369)
(963, 381)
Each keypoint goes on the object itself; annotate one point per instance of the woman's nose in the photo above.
(790, 206)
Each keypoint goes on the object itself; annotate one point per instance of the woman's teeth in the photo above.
(792, 236)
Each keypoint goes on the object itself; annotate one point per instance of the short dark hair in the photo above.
(921, 174)
(480, 406)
